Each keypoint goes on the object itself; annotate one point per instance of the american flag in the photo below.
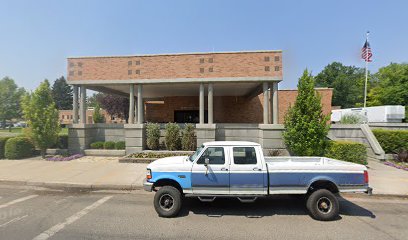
(366, 53)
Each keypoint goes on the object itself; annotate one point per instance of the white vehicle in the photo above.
(379, 114)
(239, 169)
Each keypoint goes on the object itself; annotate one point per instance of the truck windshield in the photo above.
(194, 156)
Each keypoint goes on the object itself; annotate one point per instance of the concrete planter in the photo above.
(104, 152)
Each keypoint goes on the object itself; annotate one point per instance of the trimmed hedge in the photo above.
(121, 145)
(153, 136)
(97, 145)
(19, 147)
(347, 151)
(188, 138)
(109, 145)
(392, 141)
(172, 137)
(3, 141)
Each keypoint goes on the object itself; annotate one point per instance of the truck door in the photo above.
(211, 178)
(247, 172)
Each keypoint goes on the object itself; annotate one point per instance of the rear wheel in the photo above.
(323, 205)
(167, 201)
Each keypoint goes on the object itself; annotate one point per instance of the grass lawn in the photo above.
(17, 131)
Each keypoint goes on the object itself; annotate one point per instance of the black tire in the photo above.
(323, 205)
(167, 201)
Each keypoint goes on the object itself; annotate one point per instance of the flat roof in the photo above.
(173, 54)
(230, 143)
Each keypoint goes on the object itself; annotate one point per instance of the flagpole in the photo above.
(366, 74)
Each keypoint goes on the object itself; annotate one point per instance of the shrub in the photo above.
(351, 119)
(401, 156)
(172, 137)
(62, 141)
(97, 145)
(121, 145)
(188, 139)
(3, 141)
(97, 116)
(109, 145)
(392, 141)
(19, 147)
(347, 151)
(153, 136)
(274, 152)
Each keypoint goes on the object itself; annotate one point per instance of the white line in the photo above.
(53, 230)
(13, 220)
(17, 201)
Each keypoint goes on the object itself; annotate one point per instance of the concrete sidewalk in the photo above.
(84, 173)
(107, 173)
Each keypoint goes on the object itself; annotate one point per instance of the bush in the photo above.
(97, 145)
(392, 141)
(188, 139)
(3, 141)
(172, 137)
(347, 151)
(153, 136)
(19, 147)
(121, 145)
(351, 119)
(97, 116)
(62, 141)
(109, 145)
(401, 156)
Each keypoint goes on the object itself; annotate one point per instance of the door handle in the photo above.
(257, 169)
(224, 169)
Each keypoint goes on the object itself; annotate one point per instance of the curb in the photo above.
(75, 186)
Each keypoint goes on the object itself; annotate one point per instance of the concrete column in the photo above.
(75, 104)
(210, 103)
(140, 107)
(265, 103)
(82, 105)
(275, 106)
(201, 103)
(136, 118)
(131, 104)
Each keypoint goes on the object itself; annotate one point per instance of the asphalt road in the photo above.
(27, 213)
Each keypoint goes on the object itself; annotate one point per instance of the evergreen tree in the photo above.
(306, 126)
(97, 116)
(41, 115)
(62, 94)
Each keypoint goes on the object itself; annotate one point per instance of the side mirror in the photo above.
(206, 161)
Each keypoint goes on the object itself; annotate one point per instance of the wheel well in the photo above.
(323, 184)
(168, 182)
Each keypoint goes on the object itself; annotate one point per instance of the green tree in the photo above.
(41, 115)
(62, 94)
(97, 116)
(10, 95)
(347, 83)
(306, 126)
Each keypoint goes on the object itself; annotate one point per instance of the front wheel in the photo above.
(167, 201)
(323, 205)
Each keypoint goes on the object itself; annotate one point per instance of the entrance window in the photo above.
(189, 116)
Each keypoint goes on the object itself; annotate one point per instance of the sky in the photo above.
(36, 37)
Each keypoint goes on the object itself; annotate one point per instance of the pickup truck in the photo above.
(239, 169)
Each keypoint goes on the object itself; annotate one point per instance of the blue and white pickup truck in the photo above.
(239, 169)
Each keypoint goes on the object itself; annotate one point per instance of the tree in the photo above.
(306, 126)
(115, 106)
(347, 83)
(94, 100)
(10, 96)
(62, 94)
(41, 115)
(97, 116)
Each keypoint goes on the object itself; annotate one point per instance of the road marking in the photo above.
(17, 201)
(13, 220)
(53, 230)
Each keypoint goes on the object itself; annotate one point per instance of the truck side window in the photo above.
(214, 154)
(244, 155)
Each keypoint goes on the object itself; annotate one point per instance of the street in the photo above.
(35, 213)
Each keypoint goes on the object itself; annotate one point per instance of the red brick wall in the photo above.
(237, 64)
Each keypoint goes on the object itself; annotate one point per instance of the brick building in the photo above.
(229, 95)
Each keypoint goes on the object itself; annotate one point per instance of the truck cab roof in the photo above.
(231, 143)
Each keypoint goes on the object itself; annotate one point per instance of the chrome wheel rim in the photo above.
(324, 205)
(166, 202)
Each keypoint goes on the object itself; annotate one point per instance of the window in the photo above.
(277, 58)
(129, 63)
(137, 62)
(201, 60)
(244, 155)
(71, 116)
(276, 68)
(210, 60)
(210, 69)
(129, 72)
(63, 116)
(137, 71)
(79, 73)
(214, 154)
(71, 73)
(71, 64)
(201, 70)
(267, 68)
(79, 64)
(267, 59)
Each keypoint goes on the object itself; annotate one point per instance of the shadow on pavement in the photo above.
(263, 207)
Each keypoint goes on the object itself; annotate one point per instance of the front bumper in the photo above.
(147, 186)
